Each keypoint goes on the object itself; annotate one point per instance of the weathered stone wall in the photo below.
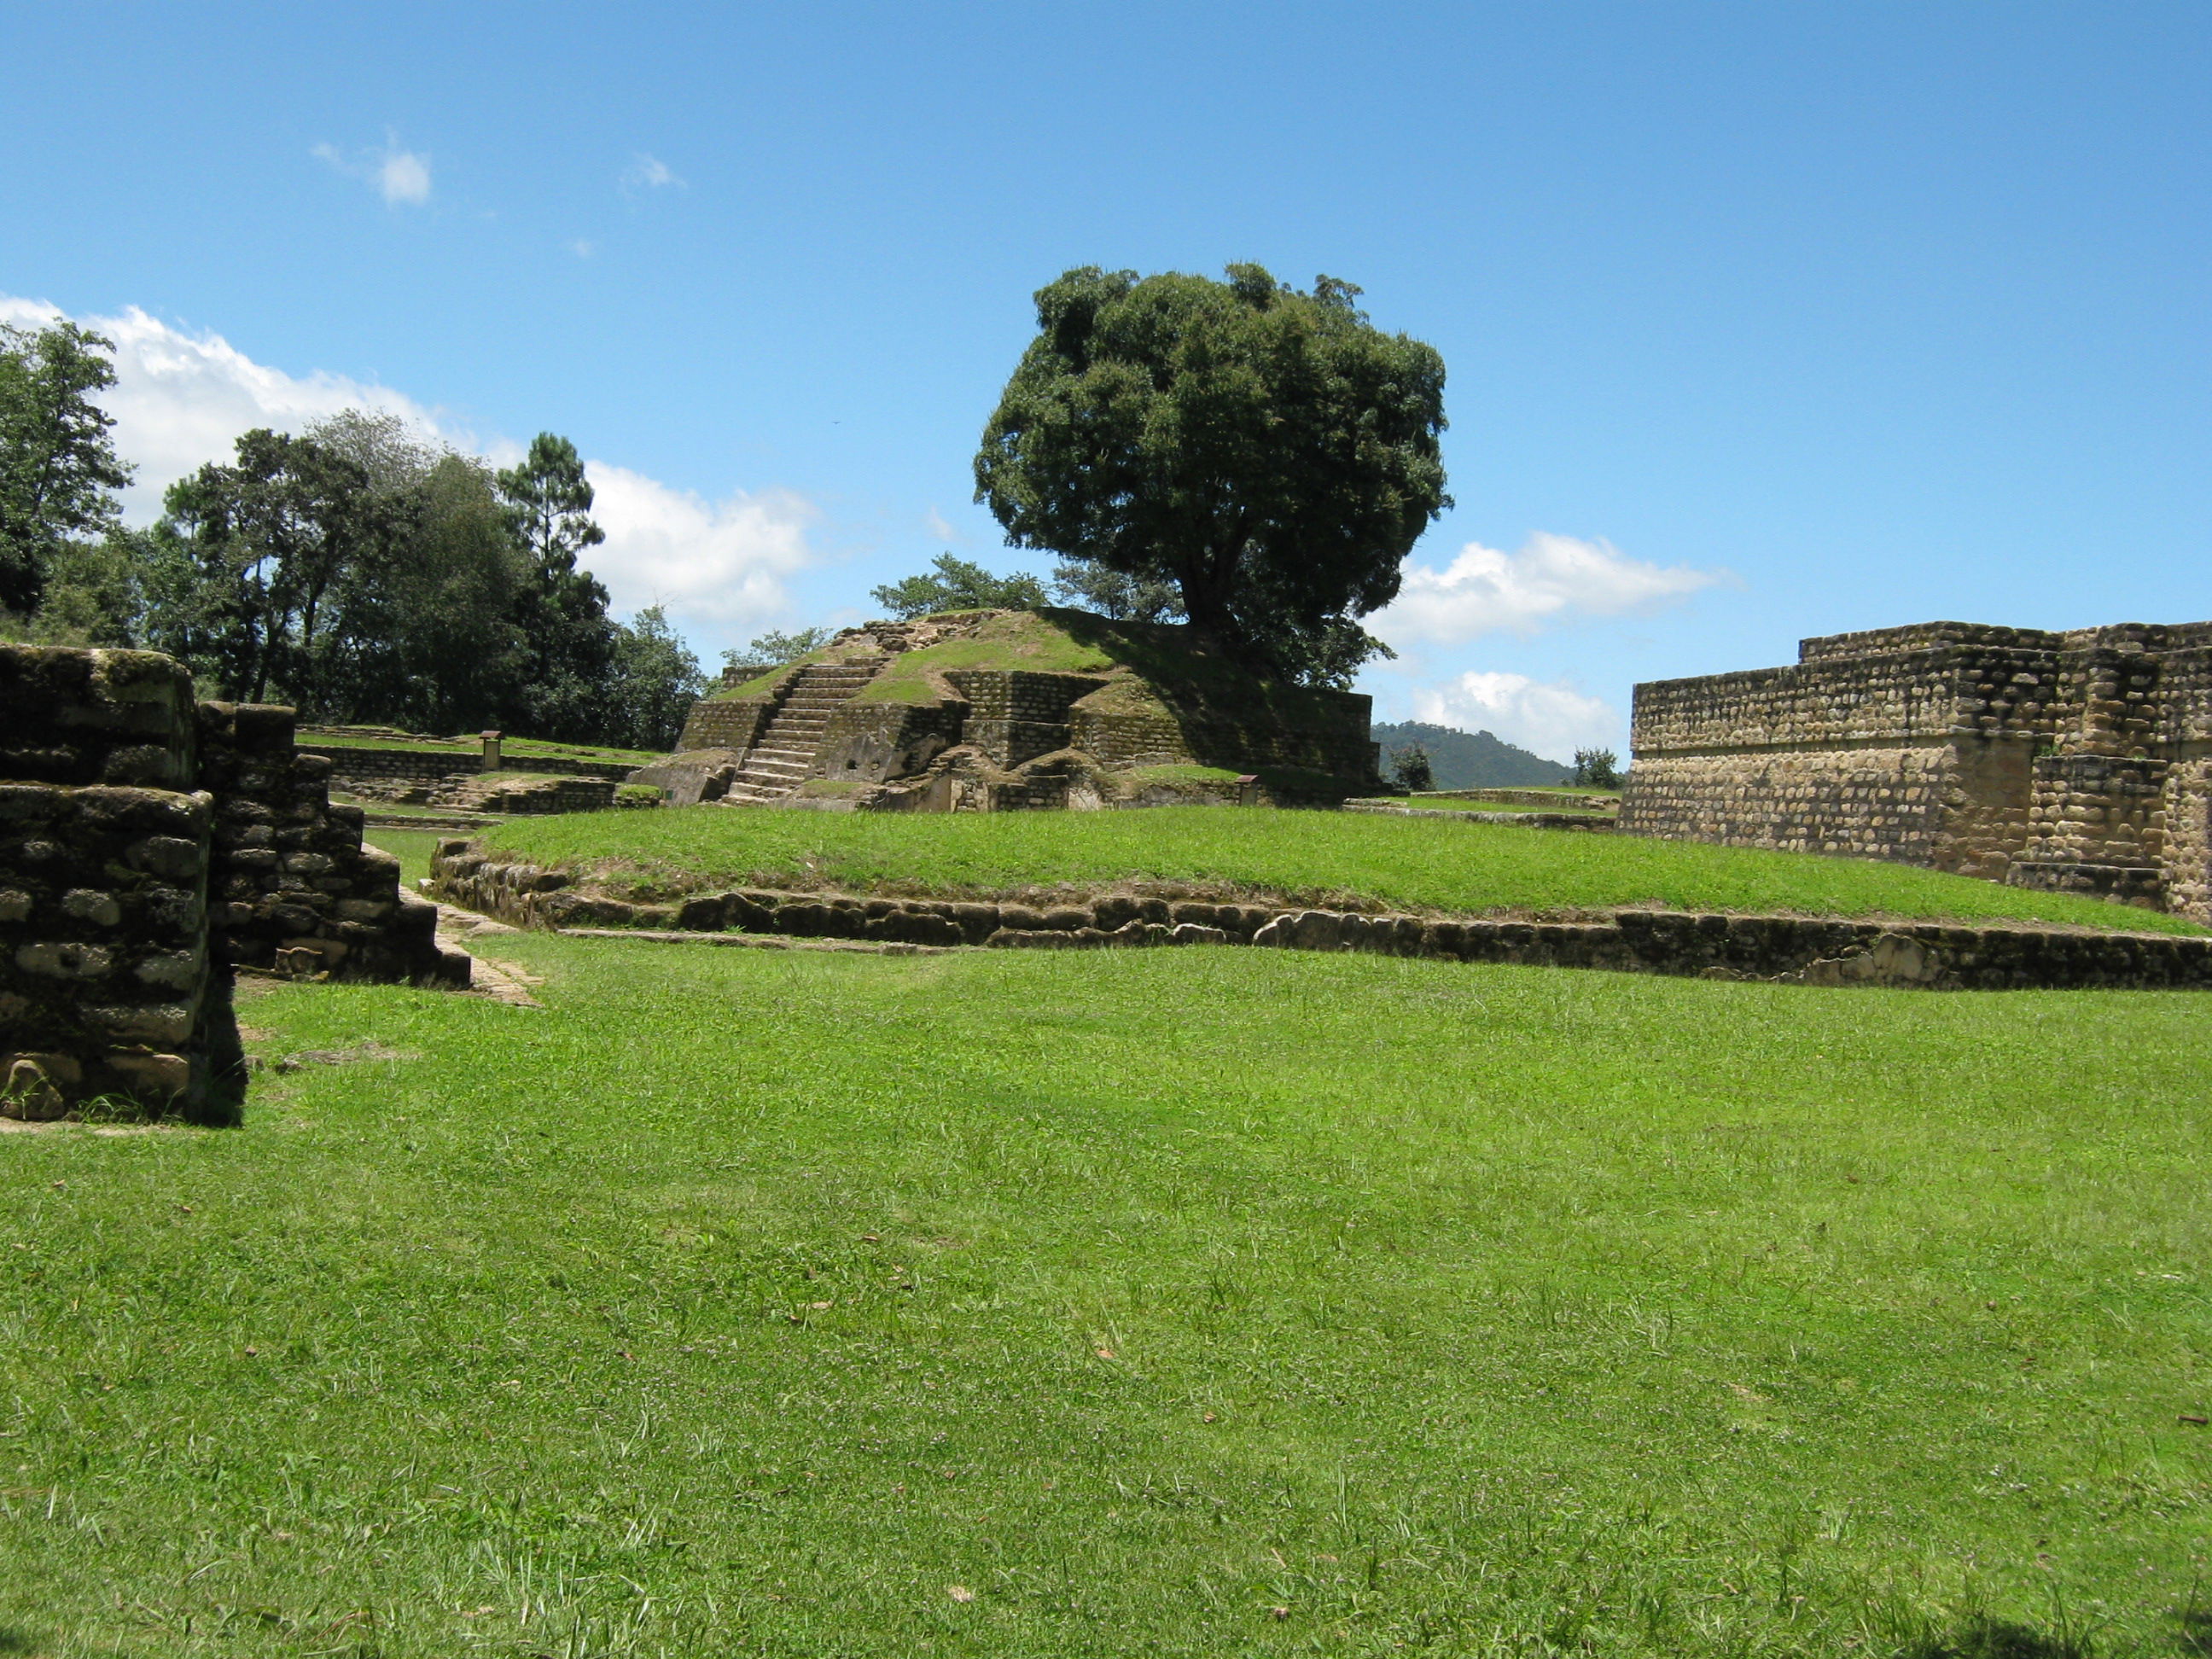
(105, 982)
(78, 717)
(2045, 759)
(871, 742)
(734, 723)
(1863, 803)
(1016, 717)
(351, 765)
(148, 843)
(2187, 866)
(292, 885)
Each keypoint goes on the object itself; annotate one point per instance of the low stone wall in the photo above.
(1591, 822)
(351, 763)
(1793, 950)
(544, 797)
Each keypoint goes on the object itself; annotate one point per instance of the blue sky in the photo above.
(1761, 321)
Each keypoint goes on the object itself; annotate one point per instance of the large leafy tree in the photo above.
(655, 681)
(563, 608)
(1269, 453)
(59, 470)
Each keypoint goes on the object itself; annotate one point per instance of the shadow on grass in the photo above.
(12, 1640)
(2196, 1632)
(1995, 1638)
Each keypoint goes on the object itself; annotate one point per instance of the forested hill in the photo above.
(1470, 760)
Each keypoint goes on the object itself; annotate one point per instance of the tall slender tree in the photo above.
(563, 610)
(58, 469)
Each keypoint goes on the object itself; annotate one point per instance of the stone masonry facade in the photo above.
(2076, 762)
(149, 845)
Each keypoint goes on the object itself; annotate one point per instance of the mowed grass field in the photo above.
(1303, 857)
(1196, 1303)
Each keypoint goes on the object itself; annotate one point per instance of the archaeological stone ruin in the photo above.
(150, 846)
(998, 710)
(2077, 762)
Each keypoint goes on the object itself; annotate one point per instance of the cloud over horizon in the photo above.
(181, 399)
(1552, 719)
(1551, 578)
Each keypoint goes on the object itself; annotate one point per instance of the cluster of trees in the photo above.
(351, 570)
(1251, 458)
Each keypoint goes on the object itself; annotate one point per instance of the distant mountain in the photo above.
(1470, 760)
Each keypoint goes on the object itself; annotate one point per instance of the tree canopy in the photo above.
(952, 584)
(1270, 453)
(59, 470)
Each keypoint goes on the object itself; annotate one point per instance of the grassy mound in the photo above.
(1418, 864)
(1228, 1303)
(1150, 667)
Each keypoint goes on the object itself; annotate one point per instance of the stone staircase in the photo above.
(784, 758)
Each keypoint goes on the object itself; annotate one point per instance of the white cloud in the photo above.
(181, 399)
(650, 172)
(400, 176)
(722, 562)
(583, 248)
(1551, 578)
(1552, 719)
(939, 528)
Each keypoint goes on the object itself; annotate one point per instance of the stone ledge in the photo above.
(1772, 949)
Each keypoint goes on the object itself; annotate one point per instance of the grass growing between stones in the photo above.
(1200, 1302)
(1303, 857)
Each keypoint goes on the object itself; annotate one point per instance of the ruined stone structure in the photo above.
(149, 845)
(945, 713)
(2079, 761)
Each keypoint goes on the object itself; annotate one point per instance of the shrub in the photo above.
(1410, 769)
(1597, 769)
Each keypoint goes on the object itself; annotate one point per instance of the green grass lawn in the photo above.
(1195, 1302)
(1304, 857)
(412, 848)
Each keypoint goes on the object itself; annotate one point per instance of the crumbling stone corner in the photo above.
(147, 845)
